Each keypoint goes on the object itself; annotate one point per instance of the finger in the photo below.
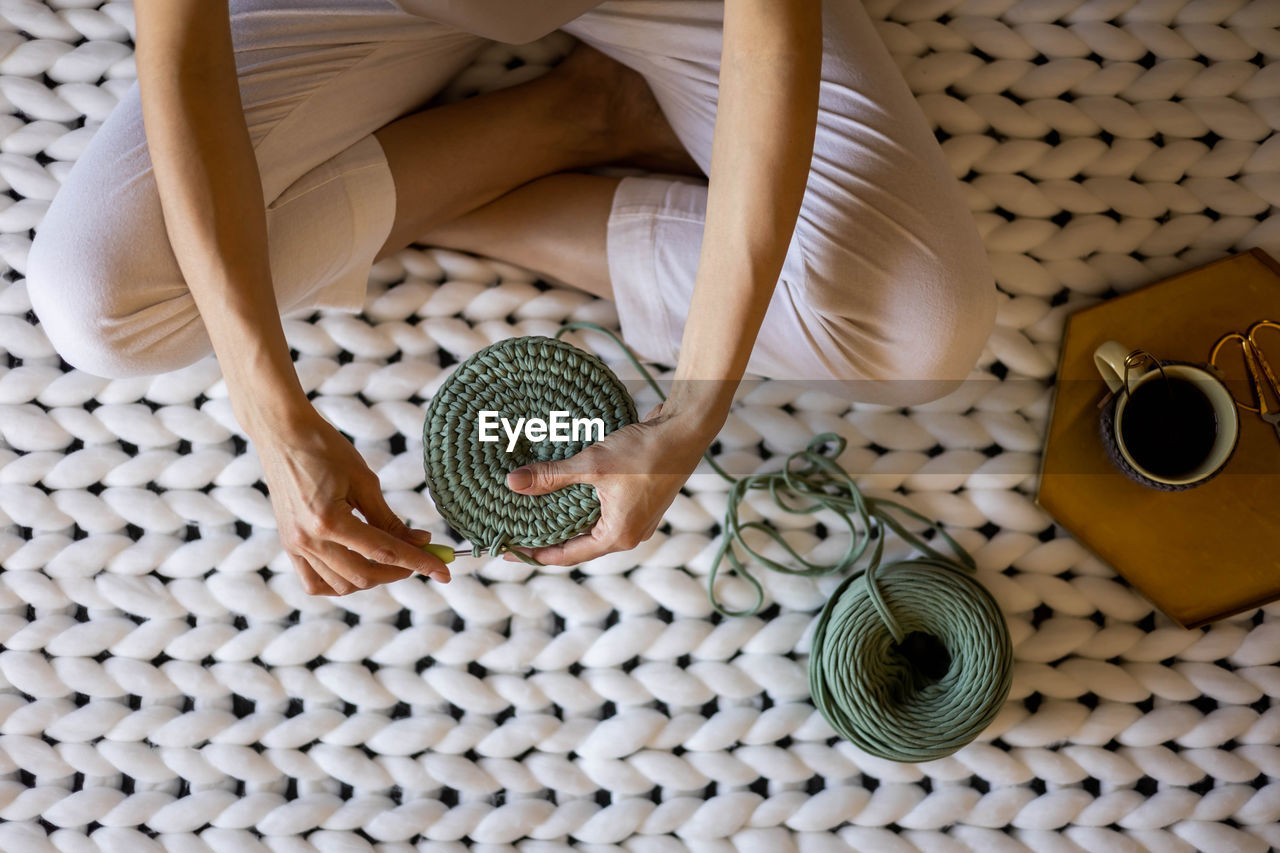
(352, 564)
(580, 549)
(366, 495)
(358, 571)
(541, 478)
(378, 546)
(312, 583)
(335, 581)
(382, 573)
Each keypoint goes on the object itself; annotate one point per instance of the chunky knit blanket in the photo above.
(166, 685)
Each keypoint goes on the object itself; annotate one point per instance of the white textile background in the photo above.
(165, 684)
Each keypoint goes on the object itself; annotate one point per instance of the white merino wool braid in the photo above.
(165, 684)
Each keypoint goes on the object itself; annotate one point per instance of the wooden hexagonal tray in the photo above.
(1200, 554)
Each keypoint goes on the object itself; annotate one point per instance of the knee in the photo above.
(926, 344)
(100, 316)
(941, 347)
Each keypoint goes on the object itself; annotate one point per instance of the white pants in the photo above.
(886, 286)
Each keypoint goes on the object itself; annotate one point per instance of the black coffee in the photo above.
(1169, 426)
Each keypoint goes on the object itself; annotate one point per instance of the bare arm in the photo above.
(210, 190)
(766, 118)
(211, 194)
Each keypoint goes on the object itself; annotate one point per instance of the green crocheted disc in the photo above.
(527, 377)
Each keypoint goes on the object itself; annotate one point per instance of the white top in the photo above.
(513, 22)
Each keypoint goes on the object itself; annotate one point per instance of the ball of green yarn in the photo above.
(528, 377)
(930, 690)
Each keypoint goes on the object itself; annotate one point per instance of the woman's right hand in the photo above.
(315, 478)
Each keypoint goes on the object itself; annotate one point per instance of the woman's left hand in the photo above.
(637, 472)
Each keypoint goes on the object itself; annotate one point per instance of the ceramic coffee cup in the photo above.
(1166, 441)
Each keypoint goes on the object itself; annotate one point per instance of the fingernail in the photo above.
(521, 478)
(422, 537)
(441, 577)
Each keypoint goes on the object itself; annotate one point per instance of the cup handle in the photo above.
(1109, 358)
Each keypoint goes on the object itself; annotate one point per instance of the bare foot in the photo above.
(637, 129)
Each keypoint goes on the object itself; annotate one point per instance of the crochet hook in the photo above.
(445, 553)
